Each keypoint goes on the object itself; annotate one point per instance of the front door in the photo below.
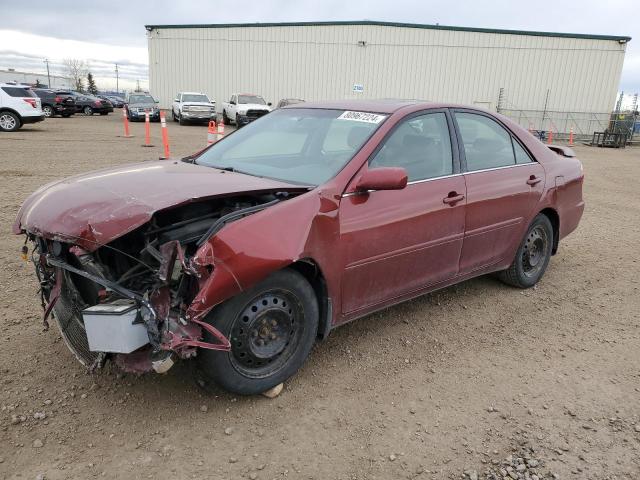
(397, 242)
(503, 184)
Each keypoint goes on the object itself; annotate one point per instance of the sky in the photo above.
(107, 32)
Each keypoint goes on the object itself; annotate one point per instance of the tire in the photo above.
(181, 121)
(173, 116)
(262, 354)
(225, 119)
(87, 110)
(237, 120)
(48, 111)
(533, 255)
(9, 122)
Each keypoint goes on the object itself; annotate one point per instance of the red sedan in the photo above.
(246, 253)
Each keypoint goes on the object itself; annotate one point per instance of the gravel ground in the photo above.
(477, 381)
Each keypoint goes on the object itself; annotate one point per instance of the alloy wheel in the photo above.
(7, 122)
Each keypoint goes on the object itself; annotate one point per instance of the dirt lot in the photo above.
(449, 383)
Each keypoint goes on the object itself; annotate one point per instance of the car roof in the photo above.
(19, 85)
(193, 93)
(389, 105)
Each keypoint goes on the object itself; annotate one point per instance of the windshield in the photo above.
(141, 99)
(195, 98)
(251, 99)
(299, 145)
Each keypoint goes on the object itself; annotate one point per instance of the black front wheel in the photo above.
(271, 327)
(87, 110)
(533, 255)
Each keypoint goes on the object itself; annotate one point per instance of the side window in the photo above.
(420, 145)
(521, 155)
(486, 143)
(177, 98)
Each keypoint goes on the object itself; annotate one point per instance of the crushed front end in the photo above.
(137, 300)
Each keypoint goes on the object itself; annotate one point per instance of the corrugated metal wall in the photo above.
(325, 62)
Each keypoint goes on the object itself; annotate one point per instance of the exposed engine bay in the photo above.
(129, 300)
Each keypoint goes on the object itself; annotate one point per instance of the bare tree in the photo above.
(77, 70)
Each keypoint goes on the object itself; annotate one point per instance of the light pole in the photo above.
(117, 80)
(46, 60)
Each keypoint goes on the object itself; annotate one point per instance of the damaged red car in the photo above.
(244, 254)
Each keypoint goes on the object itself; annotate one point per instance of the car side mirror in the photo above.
(269, 104)
(232, 102)
(382, 178)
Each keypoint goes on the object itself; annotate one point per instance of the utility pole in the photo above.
(117, 79)
(46, 60)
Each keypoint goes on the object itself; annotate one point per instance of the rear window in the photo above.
(18, 92)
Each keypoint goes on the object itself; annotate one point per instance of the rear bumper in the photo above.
(64, 109)
(32, 119)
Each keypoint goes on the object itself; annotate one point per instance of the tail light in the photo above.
(97, 103)
(30, 101)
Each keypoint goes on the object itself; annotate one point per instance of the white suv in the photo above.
(18, 105)
(193, 107)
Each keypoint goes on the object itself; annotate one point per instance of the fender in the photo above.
(246, 251)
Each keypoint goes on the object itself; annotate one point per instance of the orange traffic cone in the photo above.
(220, 129)
(571, 137)
(211, 133)
(550, 137)
(165, 136)
(147, 130)
(125, 119)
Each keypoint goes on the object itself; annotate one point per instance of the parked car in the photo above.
(55, 104)
(288, 101)
(88, 104)
(18, 106)
(193, 107)
(117, 102)
(137, 104)
(245, 253)
(243, 108)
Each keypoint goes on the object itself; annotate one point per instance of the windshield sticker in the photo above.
(362, 117)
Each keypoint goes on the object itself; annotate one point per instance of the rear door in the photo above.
(398, 242)
(503, 186)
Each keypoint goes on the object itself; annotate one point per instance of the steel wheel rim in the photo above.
(266, 333)
(7, 121)
(535, 251)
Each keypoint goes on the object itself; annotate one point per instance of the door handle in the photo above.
(533, 180)
(452, 198)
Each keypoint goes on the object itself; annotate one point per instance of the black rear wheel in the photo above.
(87, 110)
(271, 327)
(533, 255)
(48, 111)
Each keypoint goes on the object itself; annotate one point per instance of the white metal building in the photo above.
(30, 78)
(546, 80)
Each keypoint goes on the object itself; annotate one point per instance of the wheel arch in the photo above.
(311, 271)
(7, 109)
(554, 218)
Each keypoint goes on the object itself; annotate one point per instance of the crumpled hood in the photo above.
(95, 208)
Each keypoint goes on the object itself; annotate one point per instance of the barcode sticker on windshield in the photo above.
(362, 117)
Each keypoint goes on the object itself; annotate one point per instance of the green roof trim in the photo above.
(396, 24)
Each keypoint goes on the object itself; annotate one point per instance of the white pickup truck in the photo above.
(193, 107)
(243, 108)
